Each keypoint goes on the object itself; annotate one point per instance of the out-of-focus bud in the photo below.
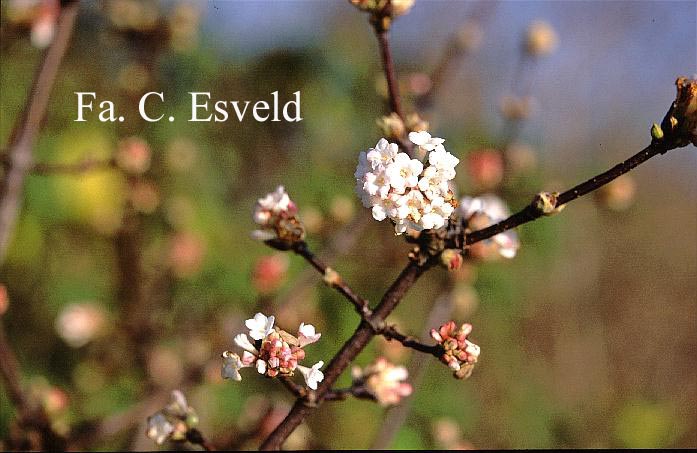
(540, 39)
(465, 300)
(521, 158)
(79, 323)
(43, 27)
(133, 155)
(133, 15)
(165, 366)
(617, 195)
(385, 381)
(391, 126)
(55, 400)
(183, 24)
(180, 211)
(419, 83)
(517, 108)
(401, 7)
(446, 433)
(144, 196)
(469, 37)
(451, 259)
(312, 219)
(342, 208)
(415, 123)
(186, 254)
(485, 168)
(133, 78)
(181, 154)
(269, 272)
(4, 299)
(546, 203)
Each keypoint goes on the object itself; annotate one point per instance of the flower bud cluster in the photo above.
(273, 351)
(384, 380)
(481, 212)
(402, 189)
(173, 422)
(275, 214)
(460, 354)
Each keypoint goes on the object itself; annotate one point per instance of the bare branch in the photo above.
(26, 131)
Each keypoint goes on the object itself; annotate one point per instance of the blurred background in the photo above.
(128, 280)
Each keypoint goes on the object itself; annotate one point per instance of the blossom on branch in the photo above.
(409, 193)
(276, 215)
(385, 381)
(460, 354)
(273, 351)
(481, 212)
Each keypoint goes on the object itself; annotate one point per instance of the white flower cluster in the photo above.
(402, 189)
(481, 212)
(274, 351)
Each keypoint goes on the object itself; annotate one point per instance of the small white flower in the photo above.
(472, 349)
(243, 342)
(424, 140)
(383, 154)
(385, 207)
(312, 375)
(276, 201)
(261, 366)
(159, 428)
(231, 366)
(376, 184)
(307, 334)
(432, 221)
(260, 326)
(444, 162)
(403, 172)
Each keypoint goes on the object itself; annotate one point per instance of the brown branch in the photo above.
(356, 391)
(361, 337)
(195, 437)
(391, 333)
(45, 169)
(381, 23)
(30, 418)
(26, 131)
(388, 65)
(532, 212)
(333, 280)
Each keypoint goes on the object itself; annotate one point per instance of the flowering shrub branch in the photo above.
(460, 354)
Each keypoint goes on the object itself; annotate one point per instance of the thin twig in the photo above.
(25, 133)
(391, 333)
(531, 212)
(333, 279)
(45, 169)
(29, 418)
(195, 437)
